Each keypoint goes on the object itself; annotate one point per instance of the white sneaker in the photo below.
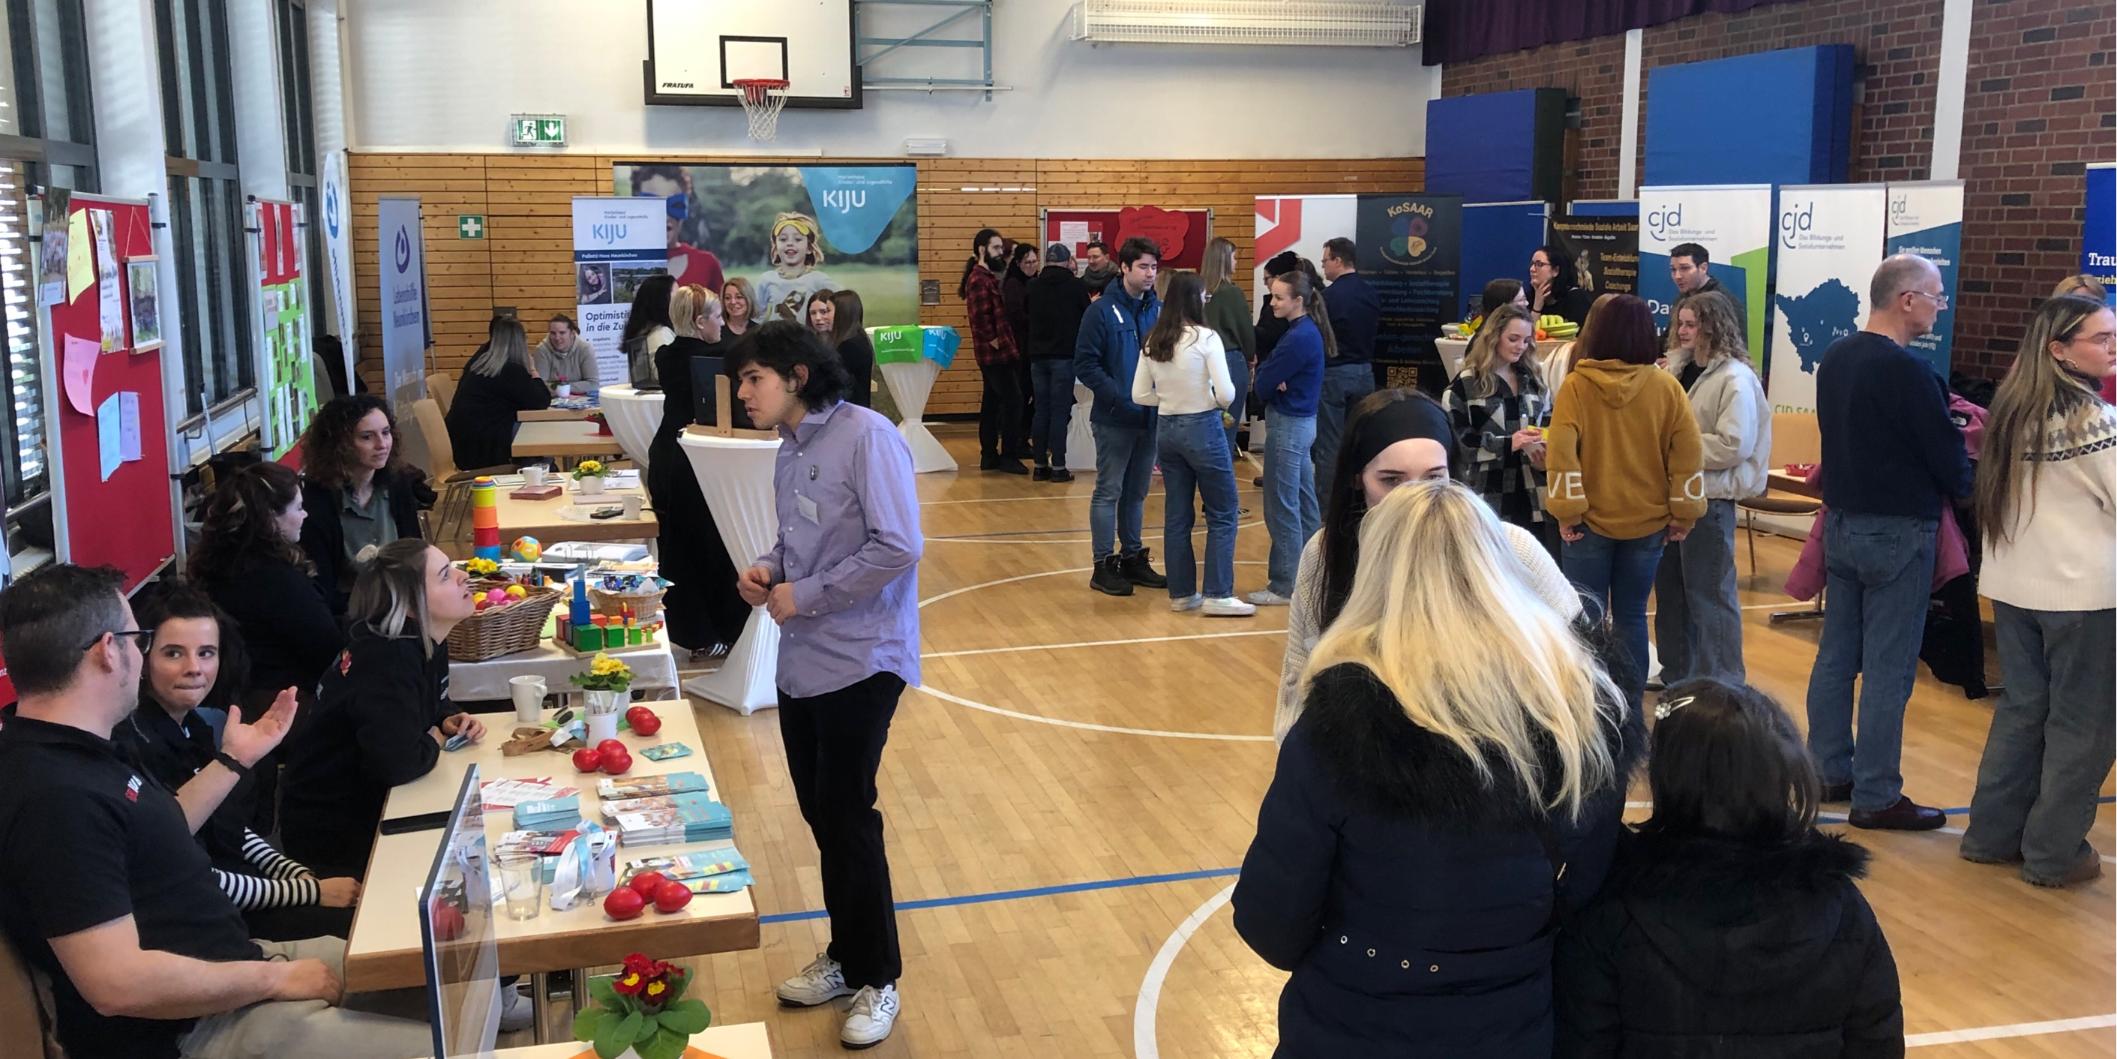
(873, 1015)
(516, 1012)
(1228, 607)
(1265, 597)
(1190, 602)
(821, 982)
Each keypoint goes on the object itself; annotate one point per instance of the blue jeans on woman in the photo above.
(1052, 379)
(1194, 456)
(1618, 575)
(1239, 374)
(1290, 509)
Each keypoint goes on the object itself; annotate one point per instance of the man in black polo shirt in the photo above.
(107, 892)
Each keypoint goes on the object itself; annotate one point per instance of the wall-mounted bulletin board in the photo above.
(111, 503)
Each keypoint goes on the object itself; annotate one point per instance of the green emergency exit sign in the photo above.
(539, 130)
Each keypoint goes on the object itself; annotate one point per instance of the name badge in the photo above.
(808, 509)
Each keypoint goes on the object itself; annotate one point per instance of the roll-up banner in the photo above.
(1829, 242)
(1927, 219)
(618, 243)
(2098, 241)
(1734, 225)
(401, 267)
(1604, 249)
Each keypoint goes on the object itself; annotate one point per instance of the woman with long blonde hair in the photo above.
(1698, 618)
(2046, 493)
(1497, 404)
(1453, 784)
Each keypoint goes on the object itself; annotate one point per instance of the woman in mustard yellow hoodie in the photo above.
(1625, 467)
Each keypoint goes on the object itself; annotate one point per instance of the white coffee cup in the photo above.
(533, 475)
(633, 503)
(565, 389)
(528, 693)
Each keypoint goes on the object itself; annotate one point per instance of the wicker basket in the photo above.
(502, 631)
(644, 605)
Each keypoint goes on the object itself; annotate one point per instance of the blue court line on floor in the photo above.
(1016, 895)
(1136, 880)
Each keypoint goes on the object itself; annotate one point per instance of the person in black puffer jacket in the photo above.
(1414, 891)
(1052, 305)
(1729, 926)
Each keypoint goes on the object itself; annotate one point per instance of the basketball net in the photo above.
(762, 100)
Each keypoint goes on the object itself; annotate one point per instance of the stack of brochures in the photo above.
(717, 871)
(687, 817)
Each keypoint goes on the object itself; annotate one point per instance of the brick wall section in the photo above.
(2039, 106)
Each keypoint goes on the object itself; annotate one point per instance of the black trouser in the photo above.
(834, 748)
(1019, 443)
(1000, 412)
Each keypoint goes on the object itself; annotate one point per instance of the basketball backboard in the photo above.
(698, 49)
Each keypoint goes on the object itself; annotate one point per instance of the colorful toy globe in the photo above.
(527, 549)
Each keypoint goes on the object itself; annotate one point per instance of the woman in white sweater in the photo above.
(2047, 501)
(1184, 373)
(1392, 438)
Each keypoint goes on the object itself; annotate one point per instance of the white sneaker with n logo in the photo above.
(873, 1015)
(821, 982)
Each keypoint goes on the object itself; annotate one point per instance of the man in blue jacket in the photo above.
(1104, 357)
(1355, 319)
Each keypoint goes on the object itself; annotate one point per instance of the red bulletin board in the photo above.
(126, 520)
(1181, 233)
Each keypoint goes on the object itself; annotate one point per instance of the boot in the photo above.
(1041, 474)
(1060, 474)
(1109, 577)
(1137, 570)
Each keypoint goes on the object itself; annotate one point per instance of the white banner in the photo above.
(1301, 223)
(401, 264)
(618, 243)
(1733, 224)
(1927, 219)
(1829, 242)
(338, 251)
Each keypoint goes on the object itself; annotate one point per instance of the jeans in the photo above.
(1053, 378)
(1343, 386)
(1880, 573)
(1618, 575)
(2051, 743)
(1000, 410)
(1194, 454)
(834, 748)
(1239, 374)
(1290, 509)
(1697, 617)
(1124, 468)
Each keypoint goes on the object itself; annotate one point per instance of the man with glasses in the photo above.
(106, 890)
(1891, 458)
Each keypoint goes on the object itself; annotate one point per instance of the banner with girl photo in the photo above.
(791, 231)
(617, 245)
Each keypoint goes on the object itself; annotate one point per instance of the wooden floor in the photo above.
(1070, 793)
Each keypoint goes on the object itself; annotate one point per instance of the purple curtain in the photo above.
(1461, 30)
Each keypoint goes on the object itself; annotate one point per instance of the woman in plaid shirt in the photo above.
(1497, 404)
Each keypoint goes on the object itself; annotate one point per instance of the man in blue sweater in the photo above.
(1104, 357)
(1891, 458)
(1355, 318)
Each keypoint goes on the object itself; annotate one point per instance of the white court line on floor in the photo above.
(1101, 643)
(1239, 490)
(2017, 1029)
(1090, 726)
(1144, 1045)
(974, 539)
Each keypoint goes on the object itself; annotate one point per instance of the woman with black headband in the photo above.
(1395, 437)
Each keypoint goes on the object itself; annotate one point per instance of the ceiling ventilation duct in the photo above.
(1345, 23)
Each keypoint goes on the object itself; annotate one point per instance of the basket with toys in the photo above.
(510, 615)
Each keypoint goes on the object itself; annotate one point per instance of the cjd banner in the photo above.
(1927, 219)
(618, 244)
(400, 264)
(1829, 242)
(1734, 225)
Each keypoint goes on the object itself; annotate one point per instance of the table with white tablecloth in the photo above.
(653, 670)
(910, 376)
(1080, 437)
(735, 474)
(1451, 351)
(634, 417)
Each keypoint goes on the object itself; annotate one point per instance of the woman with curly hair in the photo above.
(358, 494)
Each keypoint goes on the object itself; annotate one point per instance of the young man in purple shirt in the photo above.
(842, 581)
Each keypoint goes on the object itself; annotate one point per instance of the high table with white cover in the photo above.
(633, 417)
(735, 474)
(1080, 437)
(910, 378)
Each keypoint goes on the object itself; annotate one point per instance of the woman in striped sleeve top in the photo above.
(196, 661)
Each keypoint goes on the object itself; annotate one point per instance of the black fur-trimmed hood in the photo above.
(1382, 761)
(1692, 869)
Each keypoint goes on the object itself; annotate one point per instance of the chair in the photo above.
(448, 480)
(25, 1015)
(442, 388)
(1795, 439)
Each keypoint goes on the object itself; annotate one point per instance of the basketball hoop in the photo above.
(762, 99)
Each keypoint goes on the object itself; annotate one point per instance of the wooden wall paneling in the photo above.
(527, 256)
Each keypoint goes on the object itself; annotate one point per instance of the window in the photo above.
(300, 110)
(46, 140)
(205, 201)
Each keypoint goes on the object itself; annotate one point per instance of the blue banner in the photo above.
(400, 256)
(855, 204)
(1927, 220)
(2098, 241)
(1498, 239)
